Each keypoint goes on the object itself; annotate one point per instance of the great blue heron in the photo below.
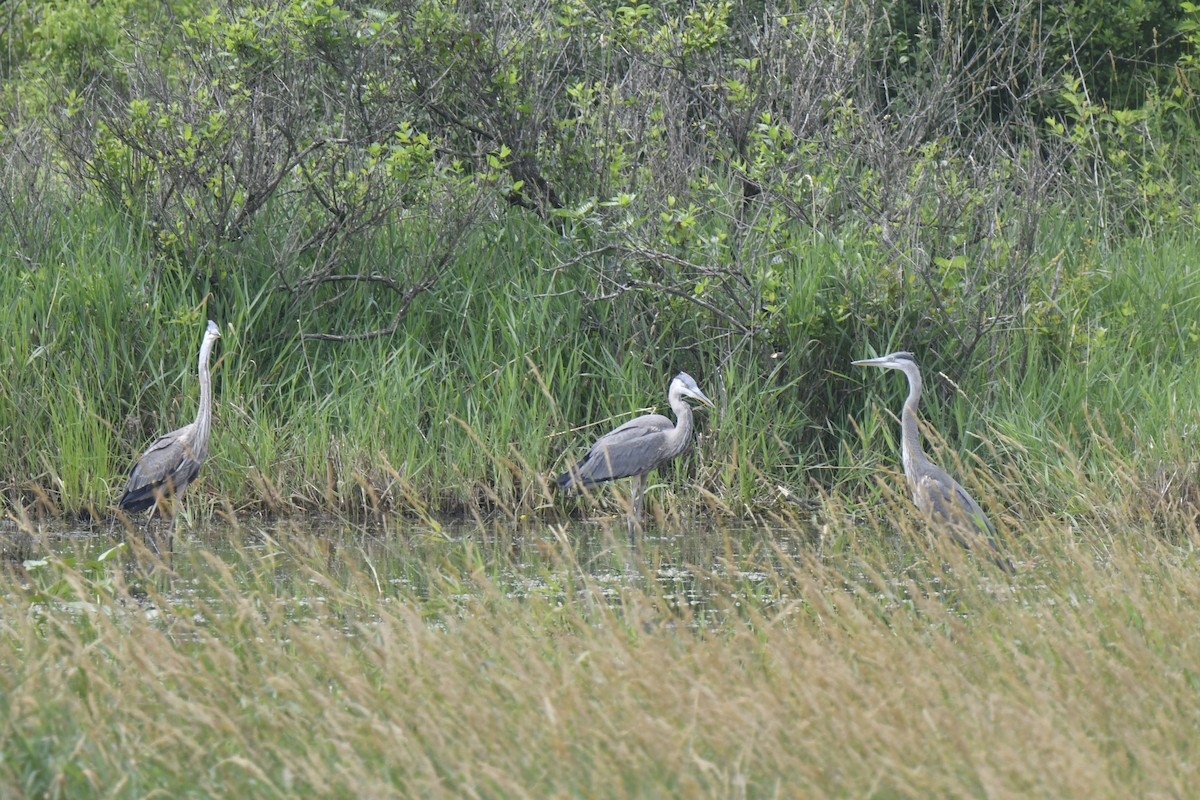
(173, 460)
(935, 493)
(638, 446)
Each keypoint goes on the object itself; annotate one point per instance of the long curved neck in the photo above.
(677, 439)
(204, 412)
(910, 429)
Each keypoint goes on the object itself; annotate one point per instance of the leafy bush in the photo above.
(767, 191)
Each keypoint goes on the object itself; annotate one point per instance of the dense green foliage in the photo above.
(441, 238)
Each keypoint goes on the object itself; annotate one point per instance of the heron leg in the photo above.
(635, 504)
(148, 535)
(164, 510)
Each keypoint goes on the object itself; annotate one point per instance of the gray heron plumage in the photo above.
(173, 460)
(639, 446)
(937, 495)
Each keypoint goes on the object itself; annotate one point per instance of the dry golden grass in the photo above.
(868, 661)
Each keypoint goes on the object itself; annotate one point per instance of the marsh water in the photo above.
(298, 561)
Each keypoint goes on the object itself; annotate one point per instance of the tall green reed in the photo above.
(504, 370)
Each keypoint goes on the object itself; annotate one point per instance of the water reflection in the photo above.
(301, 563)
(341, 574)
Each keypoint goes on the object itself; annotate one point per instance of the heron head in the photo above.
(212, 330)
(902, 360)
(685, 385)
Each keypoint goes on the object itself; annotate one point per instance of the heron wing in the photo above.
(947, 502)
(169, 464)
(944, 499)
(635, 448)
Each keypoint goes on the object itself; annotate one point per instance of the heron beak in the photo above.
(882, 361)
(699, 395)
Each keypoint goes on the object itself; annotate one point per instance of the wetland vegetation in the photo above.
(450, 244)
